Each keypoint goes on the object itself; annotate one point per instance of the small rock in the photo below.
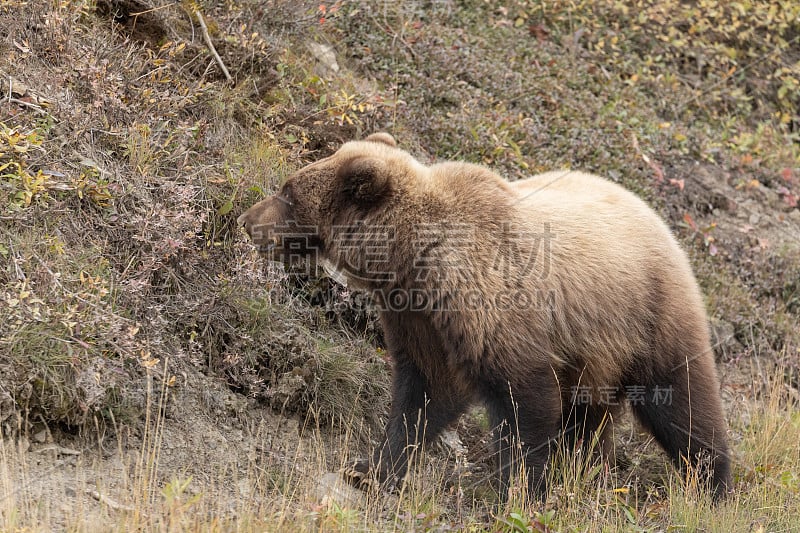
(754, 218)
(333, 489)
(325, 55)
(451, 443)
(6, 406)
(40, 437)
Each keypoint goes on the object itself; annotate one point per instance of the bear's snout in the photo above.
(244, 222)
(262, 222)
(261, 234)
(257, 217)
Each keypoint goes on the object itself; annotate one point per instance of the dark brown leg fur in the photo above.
(527, 422)
(683, 410)
(590, 425)
(419, 413)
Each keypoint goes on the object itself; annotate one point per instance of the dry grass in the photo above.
(279, 495)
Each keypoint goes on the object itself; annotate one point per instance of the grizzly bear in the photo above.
(554, 300)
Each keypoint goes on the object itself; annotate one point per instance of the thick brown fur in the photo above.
(553, 300)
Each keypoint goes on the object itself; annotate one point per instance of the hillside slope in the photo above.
(157, 374)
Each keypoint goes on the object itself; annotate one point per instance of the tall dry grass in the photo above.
(287, 495)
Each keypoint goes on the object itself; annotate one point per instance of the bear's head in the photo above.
(295, 225)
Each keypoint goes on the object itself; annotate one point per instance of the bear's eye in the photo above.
(285, 196)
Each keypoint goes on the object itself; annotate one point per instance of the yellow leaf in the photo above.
(148, 361)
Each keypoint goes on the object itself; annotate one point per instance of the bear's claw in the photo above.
(358, 475)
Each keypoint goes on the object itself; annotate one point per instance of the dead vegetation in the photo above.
(125, 156)
(124, 167)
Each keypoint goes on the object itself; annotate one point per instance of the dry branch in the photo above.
(102, 498)
(210, 45)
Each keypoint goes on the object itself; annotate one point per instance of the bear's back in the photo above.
(613, 263)
(592, 216)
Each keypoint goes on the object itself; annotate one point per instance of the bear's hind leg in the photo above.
(681, 407)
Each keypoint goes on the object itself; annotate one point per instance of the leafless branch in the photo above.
(210, 45)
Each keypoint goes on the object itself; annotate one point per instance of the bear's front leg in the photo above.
(418, 414)
(526, 417)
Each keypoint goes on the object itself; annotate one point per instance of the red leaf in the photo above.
(689, 220)
(538, 31)
(678, 183)
(786, 174)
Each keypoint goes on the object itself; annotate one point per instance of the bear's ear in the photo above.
(365, 180)
(382, 137)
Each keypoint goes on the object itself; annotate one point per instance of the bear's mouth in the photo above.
(267, 247)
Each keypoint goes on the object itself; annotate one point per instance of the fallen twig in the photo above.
(27, 104)
(102, 498)
(61, 450)
(210, 45)
(652, 164)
